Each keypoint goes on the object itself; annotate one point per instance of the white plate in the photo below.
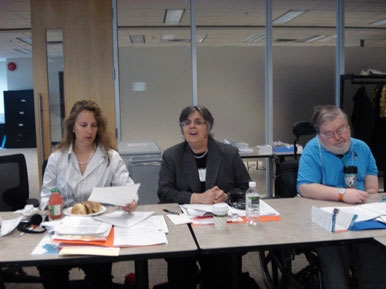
(67, 212)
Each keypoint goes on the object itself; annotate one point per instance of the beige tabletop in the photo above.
(295, 228)
(16, 249)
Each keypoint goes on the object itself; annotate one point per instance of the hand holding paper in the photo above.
(119, 195)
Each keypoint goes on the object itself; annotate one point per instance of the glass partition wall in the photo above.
(156, 72)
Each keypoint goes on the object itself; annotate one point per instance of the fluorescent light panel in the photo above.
(254, 38)
(23, 50)
(167, 38)
(26, 40)
(314, 38)
(137, 39)
(288, 16)
(379, 23)
(200, 39)
(173, 16)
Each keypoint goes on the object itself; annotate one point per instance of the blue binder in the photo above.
(367, 225)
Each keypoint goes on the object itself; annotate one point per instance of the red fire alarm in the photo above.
(11, 66)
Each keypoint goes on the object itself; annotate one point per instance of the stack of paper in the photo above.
(103, 235)
(203, 214)
(359, 217)
(81, 228)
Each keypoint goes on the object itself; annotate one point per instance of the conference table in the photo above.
(294, 230)
(16, 250)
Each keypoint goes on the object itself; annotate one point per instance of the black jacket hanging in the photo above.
(363, 117)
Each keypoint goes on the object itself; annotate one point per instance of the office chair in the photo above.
(277, 264)
(14, 194)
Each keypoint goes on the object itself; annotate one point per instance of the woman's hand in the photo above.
(130, 206)
(211, 196)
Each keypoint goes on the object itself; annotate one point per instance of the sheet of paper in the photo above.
(85, 226)
(7, 226)
(124, 219)
(118, 195)
(47, 246)
(88, 250)
(321, 218)
(267, 210)
(196, 210)
(179, 219)
(362, 213)
(124, 237)
(334, 221)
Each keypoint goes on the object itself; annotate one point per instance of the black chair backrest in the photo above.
(299, 129)
(14, 189)
(287, 170)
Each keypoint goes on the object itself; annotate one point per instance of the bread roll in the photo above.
(86, 208)
(96, 207)
(78, 209)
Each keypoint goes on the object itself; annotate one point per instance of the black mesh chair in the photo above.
(14, 194)
(277, 264)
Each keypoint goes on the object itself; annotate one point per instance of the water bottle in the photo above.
(55, 204)
(252, 204)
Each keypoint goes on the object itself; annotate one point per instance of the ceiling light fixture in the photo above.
(201, 39)
(167, 38)
(288, 16)
(328, 38)
(313, 38)
(22, 50)
(137, 39)
(26, 40)
(173, 16)
(254, 38)
(379, 23)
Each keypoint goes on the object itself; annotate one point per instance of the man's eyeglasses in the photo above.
(196, 122)
(339, 132)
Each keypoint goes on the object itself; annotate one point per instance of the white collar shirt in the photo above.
(63, 172)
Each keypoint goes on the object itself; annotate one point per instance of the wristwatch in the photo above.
(341, 193)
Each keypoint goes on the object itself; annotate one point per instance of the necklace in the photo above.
(89, 158)
(201, 156)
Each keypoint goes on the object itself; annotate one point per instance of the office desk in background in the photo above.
(16, 250)
(269, 167)
(294, 230)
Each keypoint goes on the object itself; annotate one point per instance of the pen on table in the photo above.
(170, 212)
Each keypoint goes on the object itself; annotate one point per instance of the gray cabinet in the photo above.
(143, 160)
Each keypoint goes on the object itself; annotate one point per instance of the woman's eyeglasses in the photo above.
(196, 122)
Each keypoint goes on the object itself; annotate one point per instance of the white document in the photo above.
(334, 221)
(197, 210)
(124, 219)
(118, 195)
(126, 238)
(47, 246)
(365, 212)
(7, 226)
(88, 250)
(179, 219)
(83, 226)
(267, 210)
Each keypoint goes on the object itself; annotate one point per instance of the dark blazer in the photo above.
(178, 177)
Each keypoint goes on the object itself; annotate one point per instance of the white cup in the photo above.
(220, 216)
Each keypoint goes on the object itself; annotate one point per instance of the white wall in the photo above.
(22, 76)
(231, 84)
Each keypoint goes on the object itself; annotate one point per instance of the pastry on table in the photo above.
(86, 208)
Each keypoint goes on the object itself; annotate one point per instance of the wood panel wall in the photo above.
(88, 58)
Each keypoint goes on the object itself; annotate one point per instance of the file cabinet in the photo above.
(19, 119)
